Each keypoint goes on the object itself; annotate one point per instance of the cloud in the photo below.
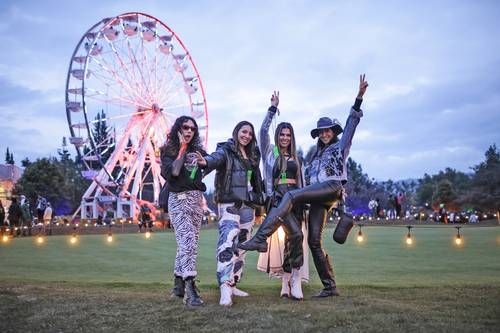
(432, 102)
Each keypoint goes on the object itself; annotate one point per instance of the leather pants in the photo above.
(321, 197)
(293, 252)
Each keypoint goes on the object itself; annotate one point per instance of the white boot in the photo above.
(240, 293)
(296, 285)
(285, 285)
(226, 291)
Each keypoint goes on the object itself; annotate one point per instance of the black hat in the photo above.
(325, 122)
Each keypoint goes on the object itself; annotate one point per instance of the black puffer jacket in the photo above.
(231, 175)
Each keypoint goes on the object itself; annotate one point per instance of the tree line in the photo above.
(60, 181)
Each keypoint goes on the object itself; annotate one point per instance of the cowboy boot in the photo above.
(191, 296)
(226, 292)
(285, 285)
(296, 285)
(239, 293)
(179, 286)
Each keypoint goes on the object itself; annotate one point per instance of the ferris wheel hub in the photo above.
(156, 108)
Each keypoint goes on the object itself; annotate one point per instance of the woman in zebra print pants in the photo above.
(180, 169)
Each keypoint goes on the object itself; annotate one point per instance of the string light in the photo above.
(458, 238)
(360, 238)
(147, 234)
(5, 238)
(73, 239)
(110, 237)
(409, 238)
(40, 239)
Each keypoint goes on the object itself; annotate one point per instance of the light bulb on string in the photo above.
(360, 238)
(110, 234)
(5, 238)
(147, 234)
(40, 239)
(409, 238)
(458, 237)
(73, 239)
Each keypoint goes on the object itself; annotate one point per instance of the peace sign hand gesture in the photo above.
(363, 84)
(275, 99)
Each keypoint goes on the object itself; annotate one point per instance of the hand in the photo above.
(200, 160)
(363, 84)
(275, 99)
(182, 141)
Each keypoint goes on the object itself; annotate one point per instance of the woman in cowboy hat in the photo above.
(326, 173)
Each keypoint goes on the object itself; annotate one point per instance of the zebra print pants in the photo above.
(232, 230)
(186, 212)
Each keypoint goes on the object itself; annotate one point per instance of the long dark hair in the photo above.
(281, 160)
(173, 144)
(251, 147)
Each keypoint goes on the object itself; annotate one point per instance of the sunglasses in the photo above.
(187, 127)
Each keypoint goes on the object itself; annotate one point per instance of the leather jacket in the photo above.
(231, 176)
(330, 163)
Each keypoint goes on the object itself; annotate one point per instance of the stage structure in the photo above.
(129, 78)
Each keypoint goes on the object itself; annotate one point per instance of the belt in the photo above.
(288, 181)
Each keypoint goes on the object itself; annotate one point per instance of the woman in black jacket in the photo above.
(238, 193)
(185, 202)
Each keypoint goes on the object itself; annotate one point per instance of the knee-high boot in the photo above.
(259, 241)
(325, 272)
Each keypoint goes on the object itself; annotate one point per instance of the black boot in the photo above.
(259, 241)
(191, 298)
(343, 228)
(179, 286)
(325, 272)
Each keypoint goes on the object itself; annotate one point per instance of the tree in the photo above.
(26, 162)
(445, 193)
(63, 151)
(103, 137)
(44, 178)
(484, 193)
(9, 157)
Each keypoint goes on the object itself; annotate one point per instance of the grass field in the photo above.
(123, 286)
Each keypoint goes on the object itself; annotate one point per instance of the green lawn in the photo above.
(386, 286)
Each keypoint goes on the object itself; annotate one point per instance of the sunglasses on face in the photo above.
(187, 127)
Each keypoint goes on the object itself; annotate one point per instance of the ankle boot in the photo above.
(179, 286)
(285, 285)
(191, 297)
(296, 285)
(343, 228)
(259, 241)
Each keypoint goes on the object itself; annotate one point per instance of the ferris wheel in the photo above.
(129, 78)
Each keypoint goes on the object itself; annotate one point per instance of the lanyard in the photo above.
(249, 178)
(193, 172)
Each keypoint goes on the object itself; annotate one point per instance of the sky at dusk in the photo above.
(432, 66)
